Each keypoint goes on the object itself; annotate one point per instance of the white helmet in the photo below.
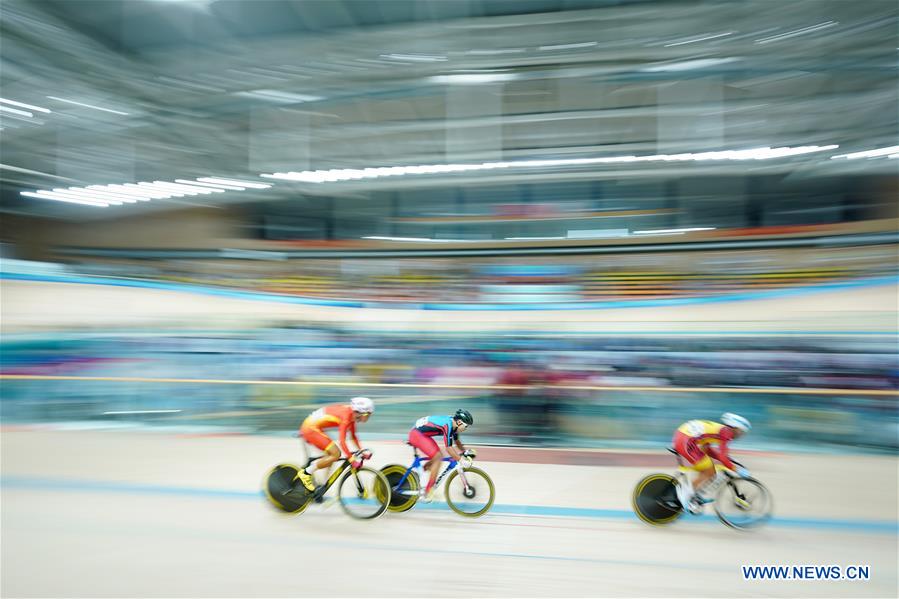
(363, 405)
(736, 421)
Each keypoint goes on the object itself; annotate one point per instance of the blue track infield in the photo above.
(94, 486)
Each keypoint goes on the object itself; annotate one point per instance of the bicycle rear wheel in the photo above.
(402, 497)
(364, 493)
(472, 500)
(655, 499)
(743, 503)
(281, 491)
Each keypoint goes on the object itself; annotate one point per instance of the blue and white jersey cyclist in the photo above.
(442, 425)
(422, 437)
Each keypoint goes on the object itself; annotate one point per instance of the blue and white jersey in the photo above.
(431, 426)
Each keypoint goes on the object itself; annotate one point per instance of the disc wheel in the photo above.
(403, 497)
(473, 500)
(655, 499)
(364, 493)
(282, 493)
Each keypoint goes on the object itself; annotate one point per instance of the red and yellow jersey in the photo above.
(704, 433)
(336, 415)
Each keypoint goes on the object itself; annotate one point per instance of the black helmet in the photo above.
(465, 416)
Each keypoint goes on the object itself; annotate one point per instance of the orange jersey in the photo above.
(336, 415)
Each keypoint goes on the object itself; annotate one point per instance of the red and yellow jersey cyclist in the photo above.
(422, 436)
(701, 441)
(341, 416)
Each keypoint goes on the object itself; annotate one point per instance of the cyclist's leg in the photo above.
(696, 461)
(706, 468)
(427, 446)
(317, 438)
(332, 454)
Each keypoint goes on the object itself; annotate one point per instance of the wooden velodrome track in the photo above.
(93, 514)
(125, 514)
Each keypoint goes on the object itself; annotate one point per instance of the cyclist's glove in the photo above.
(469, 453)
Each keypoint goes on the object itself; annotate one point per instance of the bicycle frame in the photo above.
(418, 461)
(723, 475)
(322, 489)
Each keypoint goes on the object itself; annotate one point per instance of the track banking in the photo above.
(806, 572)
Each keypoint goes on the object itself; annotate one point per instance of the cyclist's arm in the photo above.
(446, 450)
(720, 453)
(344, 425)
(353, 435)
(461, 447)
(451, 451)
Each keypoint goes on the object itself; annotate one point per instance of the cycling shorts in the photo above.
(314, 436)
(423, 443)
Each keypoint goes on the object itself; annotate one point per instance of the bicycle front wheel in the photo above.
(470, 494)
(743, 503)
(364, 493)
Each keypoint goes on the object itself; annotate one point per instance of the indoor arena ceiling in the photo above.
(104, 92)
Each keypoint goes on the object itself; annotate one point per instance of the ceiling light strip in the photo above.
(140, 196)
(334, 175)
(46, 195)
(153, 192)
(80, 196)
(188, 189)
(143, 191)
(166, 189)
(206, 186)
(223, 186)
(16, 111)
(112, 198)
(88, 105)
(868, 153)
(24, 105)
(218, 180)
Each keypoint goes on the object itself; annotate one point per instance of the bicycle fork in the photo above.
(467, 490)
(360, 488)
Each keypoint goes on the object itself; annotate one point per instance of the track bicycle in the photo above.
(741, 503)
(469, 491)
(363, 492)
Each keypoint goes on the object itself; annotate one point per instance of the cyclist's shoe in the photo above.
(427, 496)
(694, 506)
(307, 480)
(684, 494)
(741, 503)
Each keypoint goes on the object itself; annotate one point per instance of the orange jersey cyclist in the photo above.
(701, 441)
(447, 428)
(341, 416)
